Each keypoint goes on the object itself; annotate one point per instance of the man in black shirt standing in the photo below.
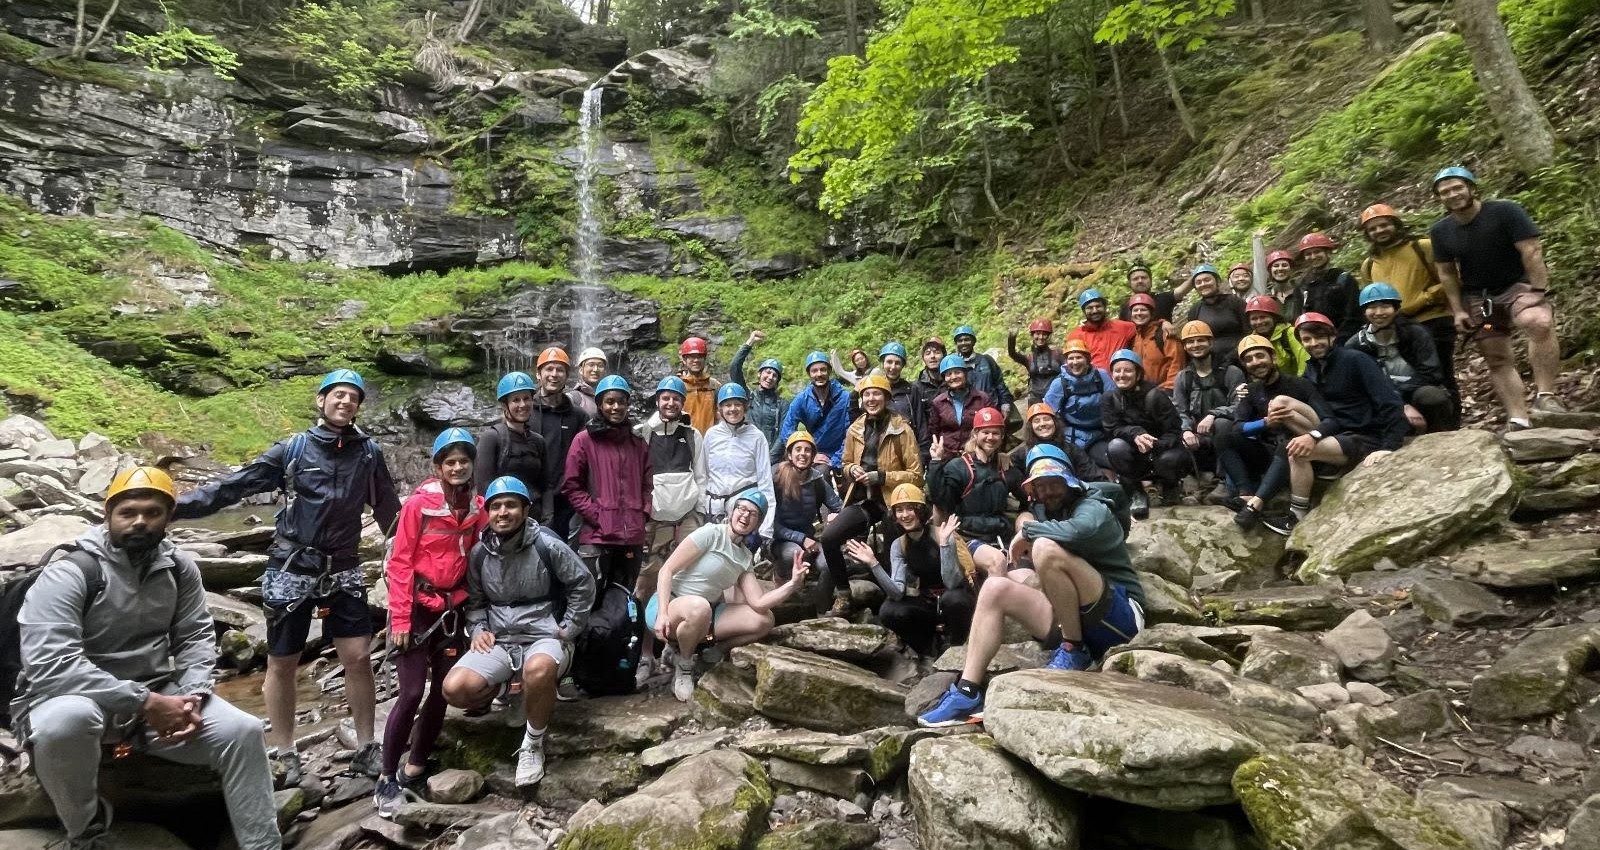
(1491, 265)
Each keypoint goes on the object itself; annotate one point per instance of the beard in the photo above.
(141, 546)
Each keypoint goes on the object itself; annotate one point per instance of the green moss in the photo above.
(86, 71)
(13, 49)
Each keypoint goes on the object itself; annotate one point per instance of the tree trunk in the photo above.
(469, 21)
(1184, 116)
(1116, 82)
(1381, 29)
(1521, 120)
(77, 33)
(79, 46)
(852, 28)
(602, 12)
(1258, 11)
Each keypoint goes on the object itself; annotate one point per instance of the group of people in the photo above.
(567, 510)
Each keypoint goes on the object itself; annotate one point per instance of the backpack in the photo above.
(609, 649)
(11, 598)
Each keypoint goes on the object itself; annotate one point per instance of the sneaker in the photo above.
(841, 606)
(1280, 523)
(292, 772)
(388, 797)
(1219, 494)
(647, 668)
(368, 760)
(1246, 517)
(97, 835)
(1548, 403)
(530, 764)
(1518, 425)
(953, 709)
(567, 691)
(683, 679)
(1139, 503)
(1076, 658)
(1171, 494)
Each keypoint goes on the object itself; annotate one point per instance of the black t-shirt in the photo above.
(1485, 248)
(1166, 302)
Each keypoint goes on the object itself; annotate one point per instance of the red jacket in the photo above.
(1104, 339)
(608, 483)
(428, 564)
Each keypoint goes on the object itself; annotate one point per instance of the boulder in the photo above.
(574, 780)
(1536, 676)
(1202, 643)
(1535, 444)
(820, 693)
(1583, 831)
(1168, 602)
(836, 638)
(968, 794)
(1420, 714)
(52, 449)
(1291, 608)
(1312, 795)
(1326, 696)
(843, 783)
(1457, 603)
(446, 403)
(1587, 420)
(97, 476)
(510, 831)
(1484, 824)
(1529, 563)
(670, 74)
(1290, 661)
(21, 432)
(1439, 488)
(441, 816)
(724, 696)
(801, 745)
(1366, 693)
(126, 835)
(891, 749)
(1362, 645)
(715, 801)
(1228, 688)
(1183, 542)
(820, 835)
(233, 613)
(1550, 751)
(615, 723)
(1529, 801)
(927, 692)
(1028, 655)
(455, 786)
(232, 571)
(1109, 735)
(24, 547)
(678, 749)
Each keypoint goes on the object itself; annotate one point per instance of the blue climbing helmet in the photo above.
(454, 437)
(1129, 355)
(1458, 172)
(771, 363)
(952, 361)
(816, 357)
(1205, 268)
(732, 391)
(755, 497)
(964, 330)
(1044, 450)
(1049, 461)
(343, 376)
(507, 485)
(673, 384)
(1374, 293)
(513, 382)
(1089, 295)
(894, 348)
(613, 382)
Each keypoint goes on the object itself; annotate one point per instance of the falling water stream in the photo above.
(585, 312)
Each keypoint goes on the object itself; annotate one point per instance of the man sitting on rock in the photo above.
(1250, 444)
(528, 597)
(117, 647)
(1090, 600)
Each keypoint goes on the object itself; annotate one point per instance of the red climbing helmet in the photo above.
(1316, 239)
(1279, 255)
(988, 418)
(1263, 304)
(692, 345)
(1312, 319)
(1041, 326)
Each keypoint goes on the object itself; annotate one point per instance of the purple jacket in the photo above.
(608, 483)
(944, 424)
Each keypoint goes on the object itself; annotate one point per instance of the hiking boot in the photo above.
(368, 760)
(567, 691)
(388, 797)
(1548, 403)
(1171, 494)
(647, 668)
(953, 709)
(1075, 658)
(1139, 503)
(1280, 523)
(1219, 495)
(292, 771)
(530, 764)
(1246, 517)
(683, 678)
(841, 606)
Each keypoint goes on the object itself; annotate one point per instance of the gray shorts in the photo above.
(504, 660)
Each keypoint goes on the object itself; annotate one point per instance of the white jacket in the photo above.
(675, 492)
(738, 459)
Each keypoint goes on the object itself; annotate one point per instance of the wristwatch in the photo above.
(1315, 434)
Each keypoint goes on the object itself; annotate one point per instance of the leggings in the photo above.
(1167, 466)
(419, 668)
(854, 521)
(916, 619)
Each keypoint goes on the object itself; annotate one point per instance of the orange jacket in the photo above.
(701, 403)
(1104, 339)
(1162, 354)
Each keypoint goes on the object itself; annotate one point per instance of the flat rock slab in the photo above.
(1312, 795)
(803, 745)
(1201, 643)
(1529, 563)
(125, 836)
(1288, 660)
(1438, 488)
(713, 801)
(1028, 655)
(1183, 542)
(575, 780)
(1290, 608)
(1457, 603)
(836, 638)
(1528, 800)
(820, 835)
(1535, 444)
(1113, 736)
(1299, 715)
(614, 723)
(820, 693)
(678, 749)
(1168, 602)
(444, 816)
(1536, 676)
(968, 794)
(24, 547)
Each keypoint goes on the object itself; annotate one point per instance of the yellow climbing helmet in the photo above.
(141, 479)
(800, 435)
(907, 493)
(875, 382)
(1254, 341)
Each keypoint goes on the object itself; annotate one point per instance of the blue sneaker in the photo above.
(953, 709)
(1076, 658)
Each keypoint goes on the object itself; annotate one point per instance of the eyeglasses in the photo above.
(743, 509)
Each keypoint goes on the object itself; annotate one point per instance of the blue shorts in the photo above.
(650, 613)
(1115, 619)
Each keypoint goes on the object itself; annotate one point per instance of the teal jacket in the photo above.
(1091, 529)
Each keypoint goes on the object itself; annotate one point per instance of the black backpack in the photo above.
(608, 651)
(11, 597)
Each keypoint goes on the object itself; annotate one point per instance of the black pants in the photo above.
(1249, 461)
(1437, 406)
(852, 522)
(1167, 466)
(1443, 331)
(916, 619)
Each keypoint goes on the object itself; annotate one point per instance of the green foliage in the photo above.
(179, 45)
(657, 23)
(1534, 25)
(13, 49)
(357, 46)
(1164, 23)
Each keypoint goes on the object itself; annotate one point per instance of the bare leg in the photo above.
(355, 654)
(1544, 352)
(538, 689)
(1302, 477)
(1067, 580)
(1302, 419)
(990, 561)
(740, 624)
(1508, 386)
(464, 688)
(996, 601)
(690, 619)
(278, 691)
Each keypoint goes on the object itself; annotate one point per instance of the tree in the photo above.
(1527, 133)
(1166, 23)
(80, 46)
(1382, 31)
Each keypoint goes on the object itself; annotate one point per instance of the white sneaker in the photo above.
(530, 764)
(683, 679)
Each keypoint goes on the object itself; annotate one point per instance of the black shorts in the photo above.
(347, 617)
(1356, 447)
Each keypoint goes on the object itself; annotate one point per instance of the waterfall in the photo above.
(585, 313)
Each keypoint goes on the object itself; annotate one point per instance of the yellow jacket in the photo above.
(701, 403)
(898, 457)
(1408, 266)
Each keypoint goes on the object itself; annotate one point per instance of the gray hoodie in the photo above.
(511, 586)
(149, 630)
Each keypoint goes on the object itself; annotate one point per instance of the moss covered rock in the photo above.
(1537, 676)
(1529, 563)
(1293, 608)
(820, 835)
(1300, 717)
(1437, 489)
(820, 693)
(1168, 602)
(1288, 660)
(836, 638)
(1183, 542)
(1312, 795)
(968, 794)
(713, 801)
